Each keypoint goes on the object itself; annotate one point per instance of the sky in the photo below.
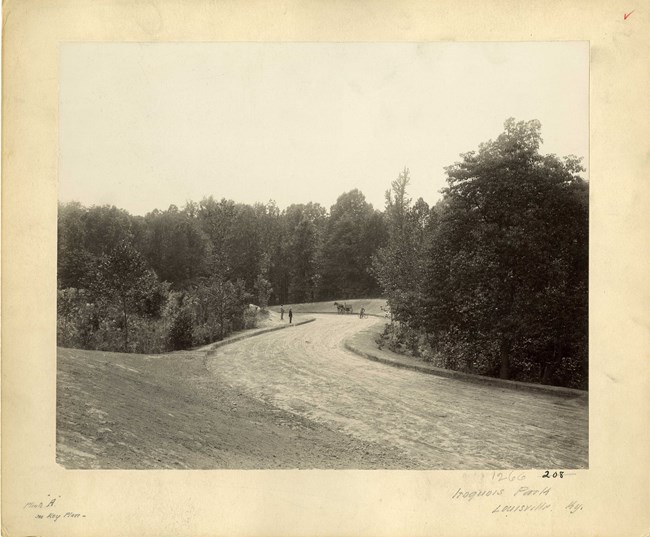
(143, 126)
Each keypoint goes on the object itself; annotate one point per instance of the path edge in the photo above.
(240, 337)
(468, 377)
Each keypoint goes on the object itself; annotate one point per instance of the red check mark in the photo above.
(626, 15)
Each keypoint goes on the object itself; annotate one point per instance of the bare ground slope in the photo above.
(133, 411)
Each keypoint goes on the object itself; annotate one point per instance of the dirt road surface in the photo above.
(295, 398)
(435, 422)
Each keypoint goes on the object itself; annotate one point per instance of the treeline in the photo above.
(183, 277)
(493, 279)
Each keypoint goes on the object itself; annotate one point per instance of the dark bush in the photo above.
(180, 331)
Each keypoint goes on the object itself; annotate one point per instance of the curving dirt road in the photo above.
(295, 398)
(432, 422)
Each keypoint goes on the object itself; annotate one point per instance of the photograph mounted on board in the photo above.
(323, 256)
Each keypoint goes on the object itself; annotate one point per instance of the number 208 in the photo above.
(550, 475)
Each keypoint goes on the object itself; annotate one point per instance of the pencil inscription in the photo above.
(51, 509)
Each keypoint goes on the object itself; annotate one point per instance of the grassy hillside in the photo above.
(372, 305)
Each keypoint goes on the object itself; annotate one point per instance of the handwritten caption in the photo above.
(508, 493)
(51, 509)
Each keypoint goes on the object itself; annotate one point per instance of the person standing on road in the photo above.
(281, 312)
(362, 311)
(290, 315)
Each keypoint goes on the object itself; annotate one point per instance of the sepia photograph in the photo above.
(323, 256)
(324, 268)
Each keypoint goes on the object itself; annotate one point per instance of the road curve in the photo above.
(434, 422)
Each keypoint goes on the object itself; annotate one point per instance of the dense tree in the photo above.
(85, 234)
(73, 258)
(493, 279)
(353, 233)
(105, 228)
(122, 280)
(175, 246)
(304, 228)
(262, 284)
(398, 266)
(234, 233)
(221, 304)
(508, 257)
(182, 326)
(272, 237)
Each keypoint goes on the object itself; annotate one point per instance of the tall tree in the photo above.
(222, 303)
(262, 285)
(304, 225)
(508, 256)
(234, 233)
(353, 233)
(175, 246)
(398, 266)
(85, 234)
(123, 280)
(72, 257)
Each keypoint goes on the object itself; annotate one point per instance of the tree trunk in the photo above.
(504, 372)
(550, 367)
(126, 327)
(547, 374)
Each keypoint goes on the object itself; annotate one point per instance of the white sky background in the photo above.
(143, 126)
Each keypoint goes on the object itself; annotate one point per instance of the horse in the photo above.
(343, 308)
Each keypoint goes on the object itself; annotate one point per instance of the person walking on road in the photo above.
(290, 315)
(362, 311)
(281, 312)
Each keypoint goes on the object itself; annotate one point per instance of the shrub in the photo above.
(251, 318)
(181, 330)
